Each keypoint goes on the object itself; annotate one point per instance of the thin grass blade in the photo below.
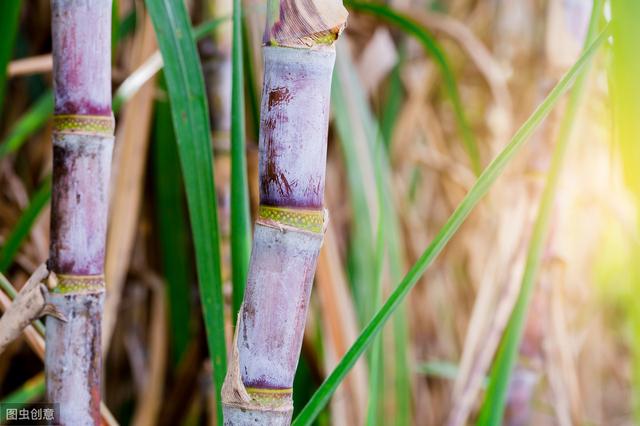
(250, 83)
(185, 83)
(24, 225)
(30, 122)
(240, 212)
(357, 165)
(389, 248)
(475, 194)
(493, 408)
(173, 232)
(393, 102)
(31, 391)
(9, 17)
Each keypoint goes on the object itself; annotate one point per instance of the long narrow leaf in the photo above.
(29, 123)
(31, 391)
(23, 227)
(173, 227)
(250, 83)
(495, 401)
(352, 94)
(475, 194)
(9, 16)
(437, 53)
(240, 214)
(185, 83)
(357, 160)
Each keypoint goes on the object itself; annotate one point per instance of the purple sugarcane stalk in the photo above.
(299, 55)
(82, 148)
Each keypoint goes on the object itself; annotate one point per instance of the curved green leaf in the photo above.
(23, 227)
(185, 83)
(475, 194)
(240, 214)
(500, 378)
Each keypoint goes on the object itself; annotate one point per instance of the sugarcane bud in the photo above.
(52, 280)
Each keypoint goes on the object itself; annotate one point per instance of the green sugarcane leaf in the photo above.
(9, 17)
(29, 123)
(30, 391)
(190, 114)
(354, 117)
(457, 218)
(393, 103)
(240, 212)
(250, 83)
(173, 228)
(356, 158)
(433, 48)
(23, 227)
(493, 408)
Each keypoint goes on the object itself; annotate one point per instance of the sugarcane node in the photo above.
(85, 124)
(79, 284)
(293, 219)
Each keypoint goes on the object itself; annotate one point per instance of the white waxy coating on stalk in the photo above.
(293, 146)
(81, 41)
(270, 329)
(294, 126)
(235, 416)
(82, 46)
(82, 166)
(72, 365)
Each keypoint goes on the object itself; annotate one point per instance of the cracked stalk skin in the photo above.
(292, 148)
(81, 31)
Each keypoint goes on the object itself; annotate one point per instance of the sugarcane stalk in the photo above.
(299, 56)
(82, 148)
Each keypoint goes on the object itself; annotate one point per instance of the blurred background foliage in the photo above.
(425, 94)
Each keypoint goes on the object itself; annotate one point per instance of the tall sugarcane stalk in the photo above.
(299, 55)
(82, 148)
